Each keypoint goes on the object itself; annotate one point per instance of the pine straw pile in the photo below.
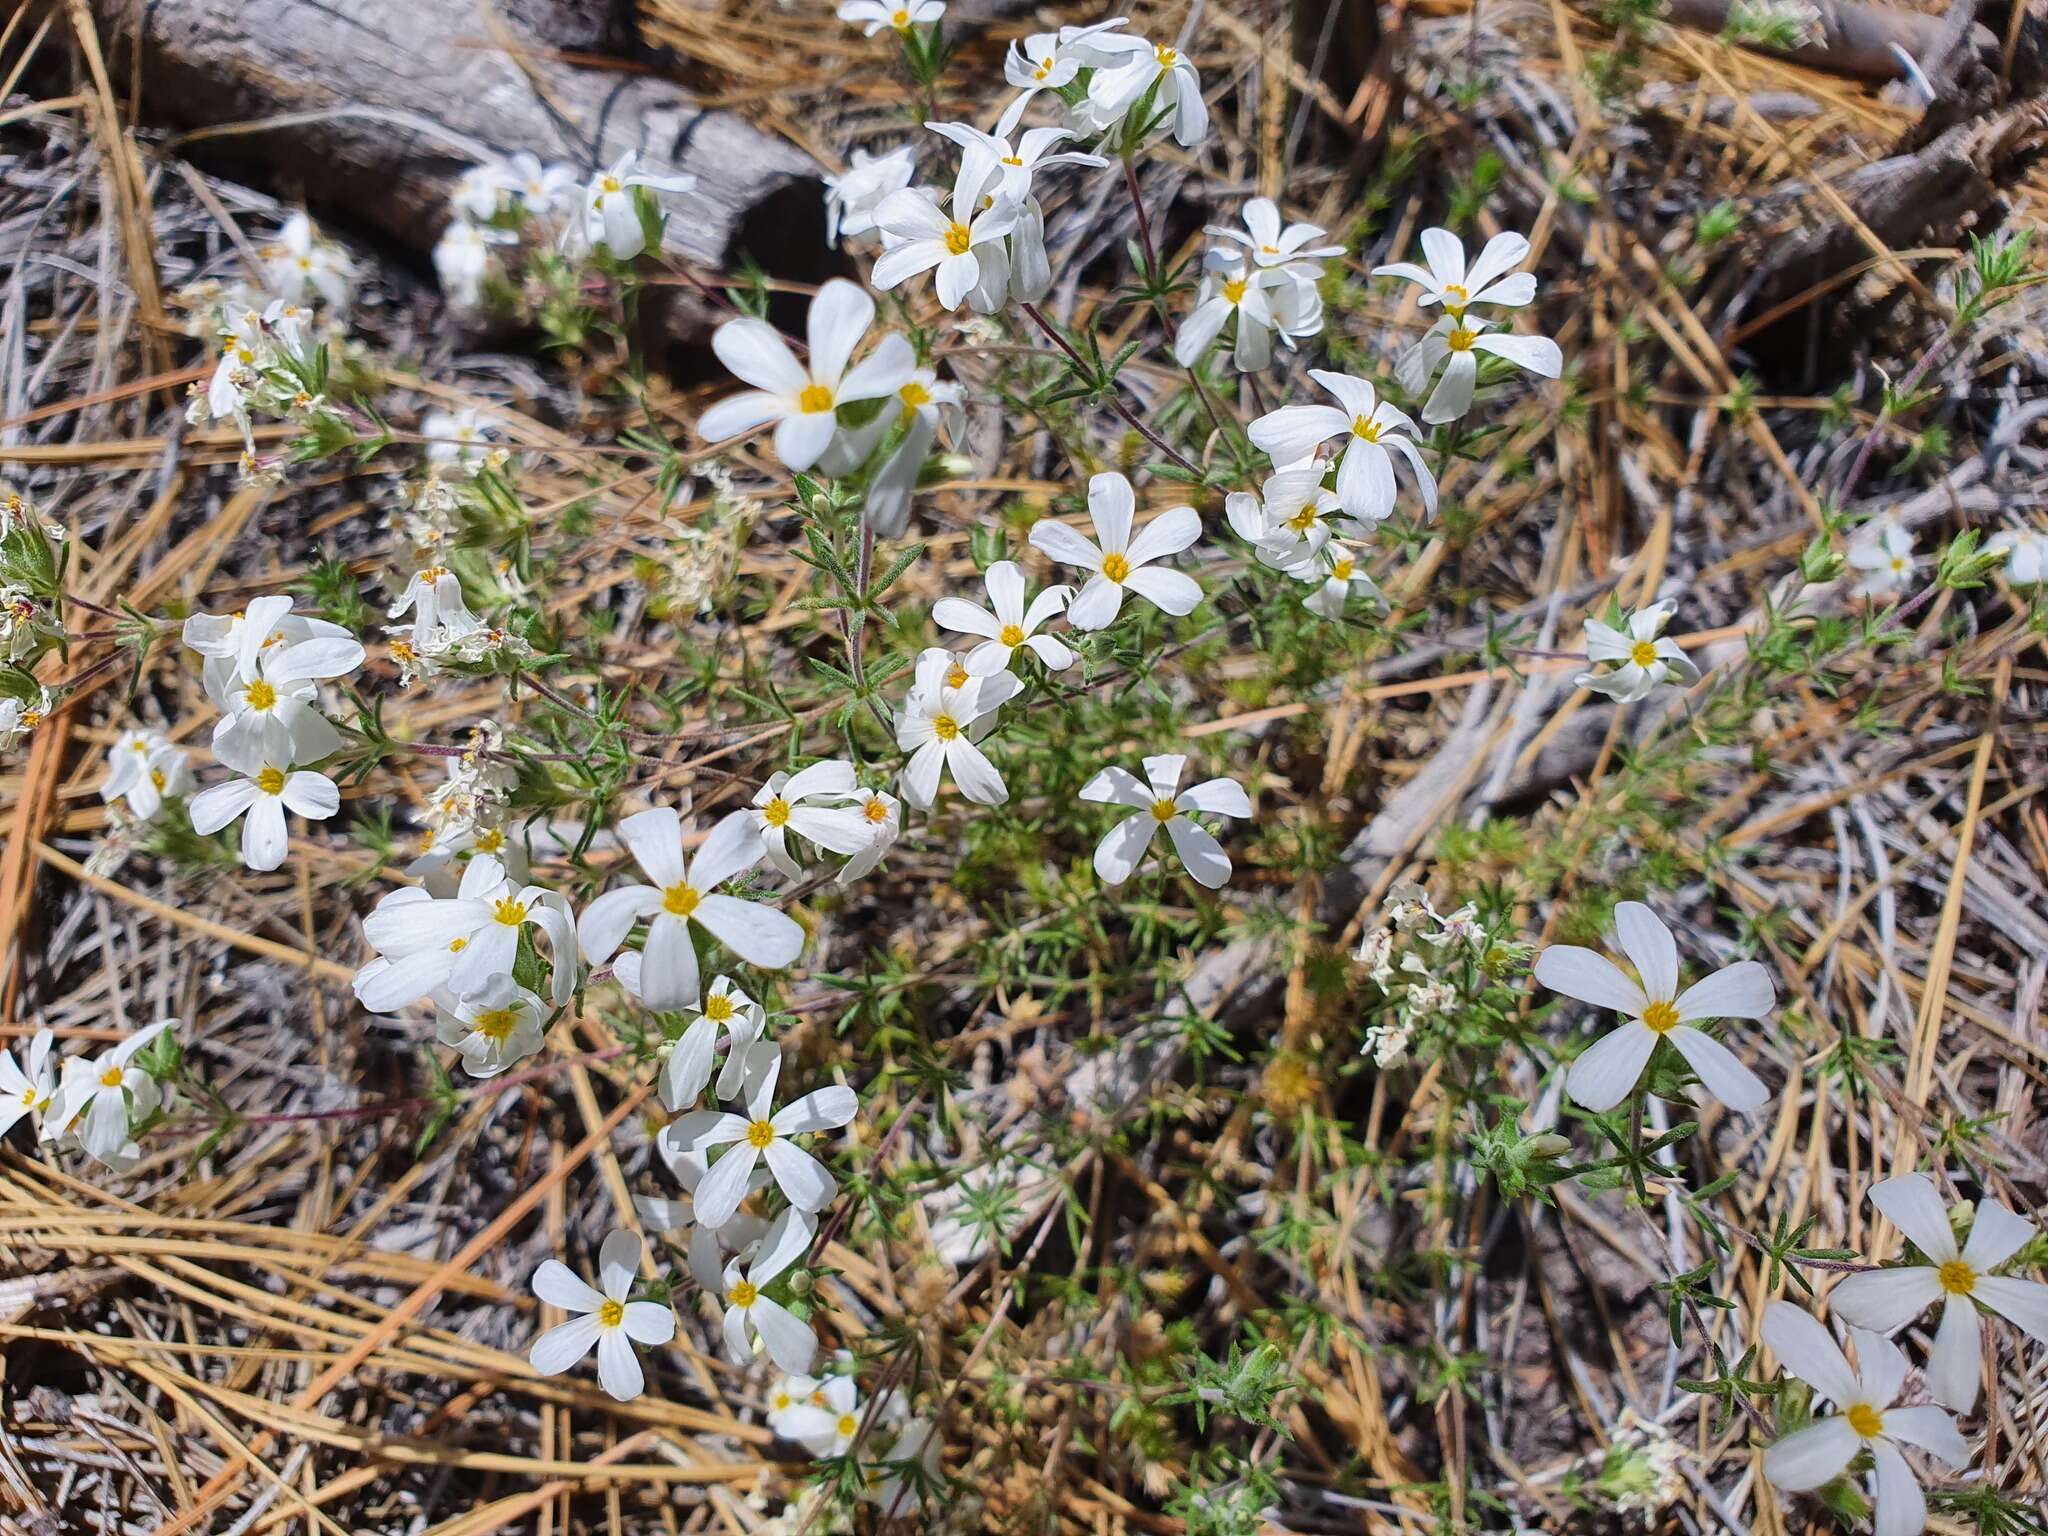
(1080, 1166)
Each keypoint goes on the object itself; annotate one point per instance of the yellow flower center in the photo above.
(139, 748)
(958, 239)
(945, 727)
(1012, 635)
(760, 1133)
(28, 1095)
(1460, 339)
(489, 842)
(260, 695)
(1456, 297)
(1661, 1017)
(1958, 1278)
(1163, 810)
(743, 1294)
(914, 395)
(956, 676)
(510, 912)
(612, 184)
(1866, 1421)
(612, 1313)
(1269, 250)
(457, 946)
(1233, 290)
(1042, 71)
(1341, 570)
(157, 780)
(1167, 57)
(846, 1425)
(496, 1024)
(271, 781)
(900, 21)
(1303, 520)
(1898, 565)
(1643, 652)
(1365, 427)
(875, 810)
(815, 400)
(111, 1078)
(776, 812)
(1115, 567)
(1017, 160)
(681, 900)
(718, 1007)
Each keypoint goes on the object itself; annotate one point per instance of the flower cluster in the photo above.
(88, 1103)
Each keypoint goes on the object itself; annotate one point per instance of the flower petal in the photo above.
(1810, 1352)
(758, 934)
(1650, 949)
(1901, 1506)
(618, 1263)
(1201, 853)
(1955, 1363)
(1589, 977)
(800, 1176)
(1996, 1234)
(1720, 1071)
(557, 1285)
(1883, 1300)
(1913, 1205)
(1813, 1456)
(1739, 991)
(563, 1345)
(1606, 1071)
(618, 1368)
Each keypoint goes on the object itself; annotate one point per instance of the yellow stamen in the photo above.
(815, 399)
(1115, 567)
(846, 1425)
(496, 1024)
(1167, 57)
(1012, 635)
(875, 810)
(457, 946)
(718, 1007)
(760, 1133)
(1233, 290)
(743, 1294)
(681, 900)
(956, 676)
(510, 912)
(612, 1313)
(260, 695)
(776, 812)
(1341, 570)
(1365, 427)
(1866, 1421)
(157, 780)
(1958, 1278)
(111, 1078)
(914, 395)
(945, 727)
(271, 781)
(1163, 810)
(1643, 652)
(958, 238)
(1661, 1017)
(1460, 339)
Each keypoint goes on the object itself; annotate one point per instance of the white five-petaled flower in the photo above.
(1274, 247)
(1449, 282)
(31, 1087)
(852, 196)
(268, 786)
(433, 596)
(98, 1095)
(427, 943)
(963, 241)
(2026, 555)
(685, 891)
(301, 264)
(945, 714)
(1461, 339)
(1371, 427)
(1118, 561)
(605, 1319)
(271, 704)
(144, 768)
(1231, 287)
(899, 15)
(789, 1342)
(763, 1134)
(725, 1009)
(1046, 61)
(924, 403)
(826, 1420)
(456, 440)
(1644, 655)
(611, 215)
(492, 1028)
(1290, 519)
(789, 803)
(912, 1466)
(801, 398)
(790, 1393)
(1135, 67)
(541, 189)
(220, 637)
(1959, 1277)
(1882, 552)
(883, 814)
(1161, 802)
(1606, 1072)
(1336, 570)
(1007, 624)
(1864, 1420)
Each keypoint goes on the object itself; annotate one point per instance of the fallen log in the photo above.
(1852, 38)
(371, 110)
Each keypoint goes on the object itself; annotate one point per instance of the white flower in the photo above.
(763, 1134)
(1605, 1073)
(1160, 802)
(790, 1343)
(31, 1090)
(1230, 288)
(802, 397)
(98, 1096)
(1290, 519)
(873, 15)
(456, 440)
(1336, 571)
(1865, 1421)
(1447, 280)
(825, 1424)
(1887, 1299)
(923, 405)
(1646, 656)
(426, 943)
(606, 1320)
(271, 702)
(144, 768)
(852, 196)
(492, 1028)
(480, 191)
(434, 599)
(1883, 552)
(300, 264)
(685, 891)
(541, 189)
(782, 806)
(1010, 625)
(2026, 555)
(883, 815)
(1038, 63)
(792, 1392)
(222, 638)
(945, 714)
(611, 214)
(1461, 339)
(966, 246)
(1139, 67)
(1274, 248)
(1119, 562)
(1004, 175)
(1365, 474)
(463, 255)
(268, 787)
(17, 718)
(688, 1068)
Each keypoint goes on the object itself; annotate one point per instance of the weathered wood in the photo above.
(372, 108)
(1855, 39)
